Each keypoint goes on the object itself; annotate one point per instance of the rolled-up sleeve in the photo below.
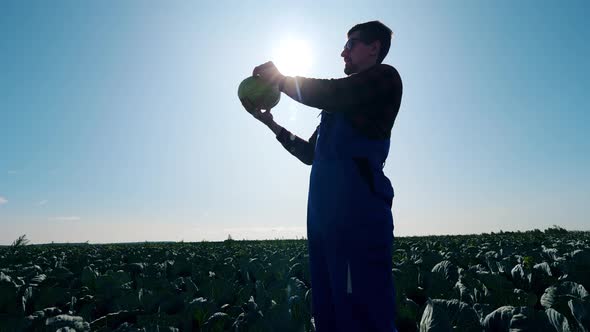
(300, 148)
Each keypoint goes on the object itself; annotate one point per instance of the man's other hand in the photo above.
(264, 117)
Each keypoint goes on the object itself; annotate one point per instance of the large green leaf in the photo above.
(580, 309)
(435, 319)
(558, 295)
(558, 321)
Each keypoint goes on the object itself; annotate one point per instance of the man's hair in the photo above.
(373, 31)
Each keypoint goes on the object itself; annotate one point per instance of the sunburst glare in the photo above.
(293, 57)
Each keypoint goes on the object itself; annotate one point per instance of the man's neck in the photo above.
(365, 67)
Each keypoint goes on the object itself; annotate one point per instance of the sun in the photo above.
(293, 57)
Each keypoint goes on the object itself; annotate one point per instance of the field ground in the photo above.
(536, 280)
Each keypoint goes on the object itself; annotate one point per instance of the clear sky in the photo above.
(119, 121)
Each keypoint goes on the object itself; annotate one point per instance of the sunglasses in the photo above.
(350, 43)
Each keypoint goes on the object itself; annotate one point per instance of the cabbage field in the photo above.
(523, 281)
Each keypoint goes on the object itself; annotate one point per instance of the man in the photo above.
(349, 219)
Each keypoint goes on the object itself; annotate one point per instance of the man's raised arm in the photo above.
(379, 83)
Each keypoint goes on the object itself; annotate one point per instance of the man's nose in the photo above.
(343, 53)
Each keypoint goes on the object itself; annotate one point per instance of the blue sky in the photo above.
(120, 121)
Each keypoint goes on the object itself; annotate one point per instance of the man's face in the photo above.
(358, 55)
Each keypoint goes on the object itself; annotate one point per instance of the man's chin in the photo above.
(348, 70)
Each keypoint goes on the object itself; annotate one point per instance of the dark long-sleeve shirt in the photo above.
(369, 99)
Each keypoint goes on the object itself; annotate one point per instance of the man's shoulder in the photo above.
(384, 75)
(384, 66)
(388, 69)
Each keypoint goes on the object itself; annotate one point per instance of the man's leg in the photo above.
(362, 284)
(322, 304)
(373, 289)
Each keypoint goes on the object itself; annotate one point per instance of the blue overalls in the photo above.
(350, 230)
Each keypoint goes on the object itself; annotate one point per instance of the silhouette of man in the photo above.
(349, 218)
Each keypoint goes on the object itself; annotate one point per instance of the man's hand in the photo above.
(268, 72)
(264, 117)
